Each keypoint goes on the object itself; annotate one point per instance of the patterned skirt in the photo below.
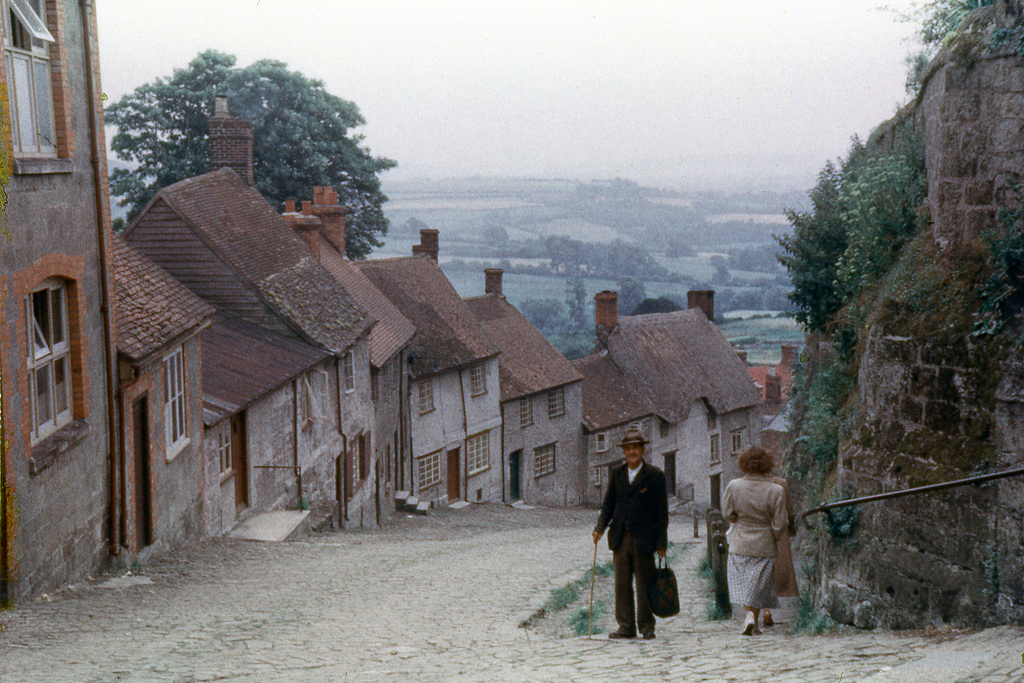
(752, 581)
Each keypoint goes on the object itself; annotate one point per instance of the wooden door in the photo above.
(454, 488)
(514, 464)
(143, 502)
(716, 491)
(670, 473)
(240, 461)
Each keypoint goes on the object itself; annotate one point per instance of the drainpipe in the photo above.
(297, 430)
(101, 229)
(465, 434)
(502, 408)
(342, 485)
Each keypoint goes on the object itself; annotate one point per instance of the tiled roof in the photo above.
(254, 240)
(392, 330)
(677, 358)
(759, 374)
(448, 335)
(608, 397)
(153, 309)
(243, 362)
(528, 362)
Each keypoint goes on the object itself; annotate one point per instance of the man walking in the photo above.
(635, 512)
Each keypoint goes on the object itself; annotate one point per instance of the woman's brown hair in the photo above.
(756, 460)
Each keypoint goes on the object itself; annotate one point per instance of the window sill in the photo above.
(545, 474)
(176, 448)
(224, 476)
(479, 471)
(46, 452)
(42, 166)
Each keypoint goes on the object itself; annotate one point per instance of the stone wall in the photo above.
(928, 412)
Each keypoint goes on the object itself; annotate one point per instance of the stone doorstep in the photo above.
(281, 525)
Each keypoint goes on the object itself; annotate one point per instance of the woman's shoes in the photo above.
(768, 621)
(750, 625)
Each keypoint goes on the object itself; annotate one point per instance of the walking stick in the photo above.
(593, 571)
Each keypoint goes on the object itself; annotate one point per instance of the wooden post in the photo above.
(718, 552)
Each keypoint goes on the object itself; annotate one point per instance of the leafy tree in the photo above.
(546, 315)
(301, 139)
(576, 302)
(631, 293)
(661, 304)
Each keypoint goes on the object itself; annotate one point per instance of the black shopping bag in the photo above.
(663, 592)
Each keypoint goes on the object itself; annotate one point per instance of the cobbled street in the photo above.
(439, 598)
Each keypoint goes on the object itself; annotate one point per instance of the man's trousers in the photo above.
(629, 562)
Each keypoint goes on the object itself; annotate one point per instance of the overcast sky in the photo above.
(663, 92)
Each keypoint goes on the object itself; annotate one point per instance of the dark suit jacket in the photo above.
(640, 508)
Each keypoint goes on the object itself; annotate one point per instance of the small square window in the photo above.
(478, 380)
(598, 475)
(425, 395)
(716, 451)
(737, 441)
(174, 400)
(478, 454)
(601, 441)
(544, 460)
(556, 402)
(350, 372)
(525, 411)
(663, 427)
(428, 469)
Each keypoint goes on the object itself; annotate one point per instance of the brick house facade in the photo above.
(59, 472)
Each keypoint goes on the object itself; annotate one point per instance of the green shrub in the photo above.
(581, 621)
(810, 621)
(562, 597)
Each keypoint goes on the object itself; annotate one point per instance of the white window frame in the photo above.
(478, 453)
(525, 411)
(49, 358)
(224, 451)
(598, 473)
(601, 442)
(478, 380)
(175, 409)
(425, 396)
(428, 469)
(544, 460)
(348, 364)
(556, 402)
(29, 79)
(716, 449)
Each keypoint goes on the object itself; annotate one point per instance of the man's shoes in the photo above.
(621, 635)
(750, 625)
(649, 635)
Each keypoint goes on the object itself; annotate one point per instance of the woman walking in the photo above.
(785, 572)
(756, 510)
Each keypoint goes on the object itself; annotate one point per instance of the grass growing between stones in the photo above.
(712, 612)
(809, 621)
(581, 621)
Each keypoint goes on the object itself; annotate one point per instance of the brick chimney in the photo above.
(230, 142)
(606, 313)
(305, 224)
(742, 355)
(703, 299)
(428, 243)
(772, 389)
(492, 281)
(331, 214)
(788, 355)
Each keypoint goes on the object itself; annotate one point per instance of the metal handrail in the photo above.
(919, 489)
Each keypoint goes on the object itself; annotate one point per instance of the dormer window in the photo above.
(29, 85)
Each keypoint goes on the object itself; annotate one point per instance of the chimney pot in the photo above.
(788, 355)
(230, 141)
(606, 312)
(428, 243)
(492, 281)
(289, 206)
(703, 299)
(307, 208)
(773, 389)
(326, 208)
(220, 106)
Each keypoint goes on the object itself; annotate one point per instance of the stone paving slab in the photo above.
(432, 599)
